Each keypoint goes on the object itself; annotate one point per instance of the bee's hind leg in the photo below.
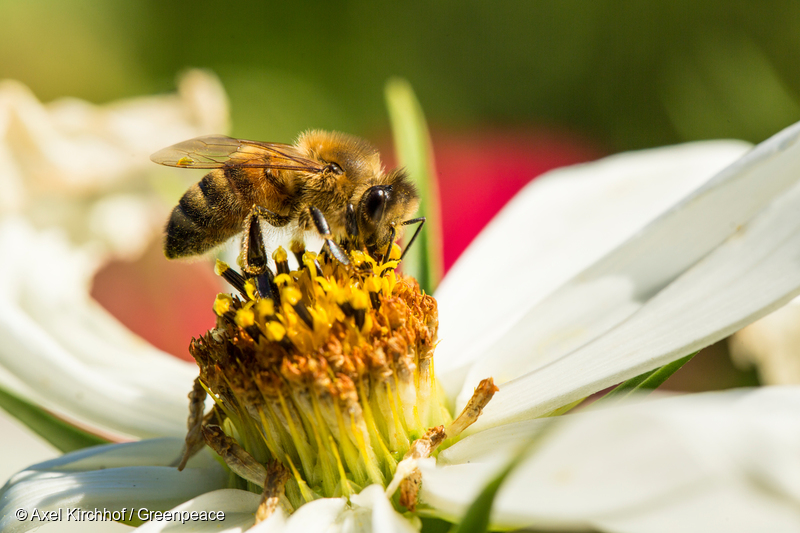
(324, 231)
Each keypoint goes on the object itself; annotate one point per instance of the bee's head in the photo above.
(384, 206)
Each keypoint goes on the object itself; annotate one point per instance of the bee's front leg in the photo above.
(324, 231)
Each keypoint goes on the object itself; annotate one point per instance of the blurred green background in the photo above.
(623, 74)
(607, 76)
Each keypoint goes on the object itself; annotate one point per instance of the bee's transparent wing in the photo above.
(217, 151)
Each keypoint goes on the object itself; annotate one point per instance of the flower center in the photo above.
(326, 370)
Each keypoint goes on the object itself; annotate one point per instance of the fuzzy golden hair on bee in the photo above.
(357, 157)
(329, 183)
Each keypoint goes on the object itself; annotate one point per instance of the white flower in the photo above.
(78, 187)
(592, 275)
(85, 169)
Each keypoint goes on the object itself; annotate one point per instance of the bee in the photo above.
(328, 182)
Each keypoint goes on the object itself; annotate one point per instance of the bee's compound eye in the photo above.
(334, 169)
(376, 203)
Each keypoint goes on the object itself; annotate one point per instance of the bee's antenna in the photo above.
(421, 222)
(325, 232)
(393, 236)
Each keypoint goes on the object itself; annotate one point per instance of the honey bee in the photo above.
(328, 182)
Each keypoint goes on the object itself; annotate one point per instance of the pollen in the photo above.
(329, 380)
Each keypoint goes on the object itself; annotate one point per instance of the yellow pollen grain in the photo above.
(280, 255)
(222, 303)
(380, 269)
(359, 299)
(245, 318)
(395, 253)
(275, 331)
(373, 284)
(283, 279)
(357, 257)
(292, 295)
(389, 282)
(308, 261)
(325, 285)
(367, 324)
(221, 267)
(265, 307)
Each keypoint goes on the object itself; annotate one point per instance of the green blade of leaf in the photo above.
(413, 147)
(57, 432)
(476, 519)
(644, 382)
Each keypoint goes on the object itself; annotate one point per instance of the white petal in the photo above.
(319, 515)
(152, 452)
(749, 274)
(274, 524)
(93, 478)
(738, 510)
(554, 228)
(367, 512)
(630, 468)
(382, 518)
(238, 508)
(69, 353)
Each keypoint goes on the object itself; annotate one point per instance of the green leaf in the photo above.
(434, 525)
(476, 519)
(644, 382)
(57, 432)
(413, 146)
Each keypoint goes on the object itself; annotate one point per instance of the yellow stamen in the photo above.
(333, 379)
(222, 304)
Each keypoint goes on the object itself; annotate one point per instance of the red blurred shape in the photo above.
(165, 302)
(480, 171)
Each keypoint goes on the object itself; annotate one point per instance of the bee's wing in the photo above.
(216, 151)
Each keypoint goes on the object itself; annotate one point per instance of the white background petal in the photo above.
(61, 161)
(641, 467)
(95, 478)
(751, 274)
(84, 172)
(554, 228)
(725, 293)
(71, 355)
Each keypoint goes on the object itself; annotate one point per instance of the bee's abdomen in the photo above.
(208, 214)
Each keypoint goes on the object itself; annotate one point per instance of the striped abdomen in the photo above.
(210, 212)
